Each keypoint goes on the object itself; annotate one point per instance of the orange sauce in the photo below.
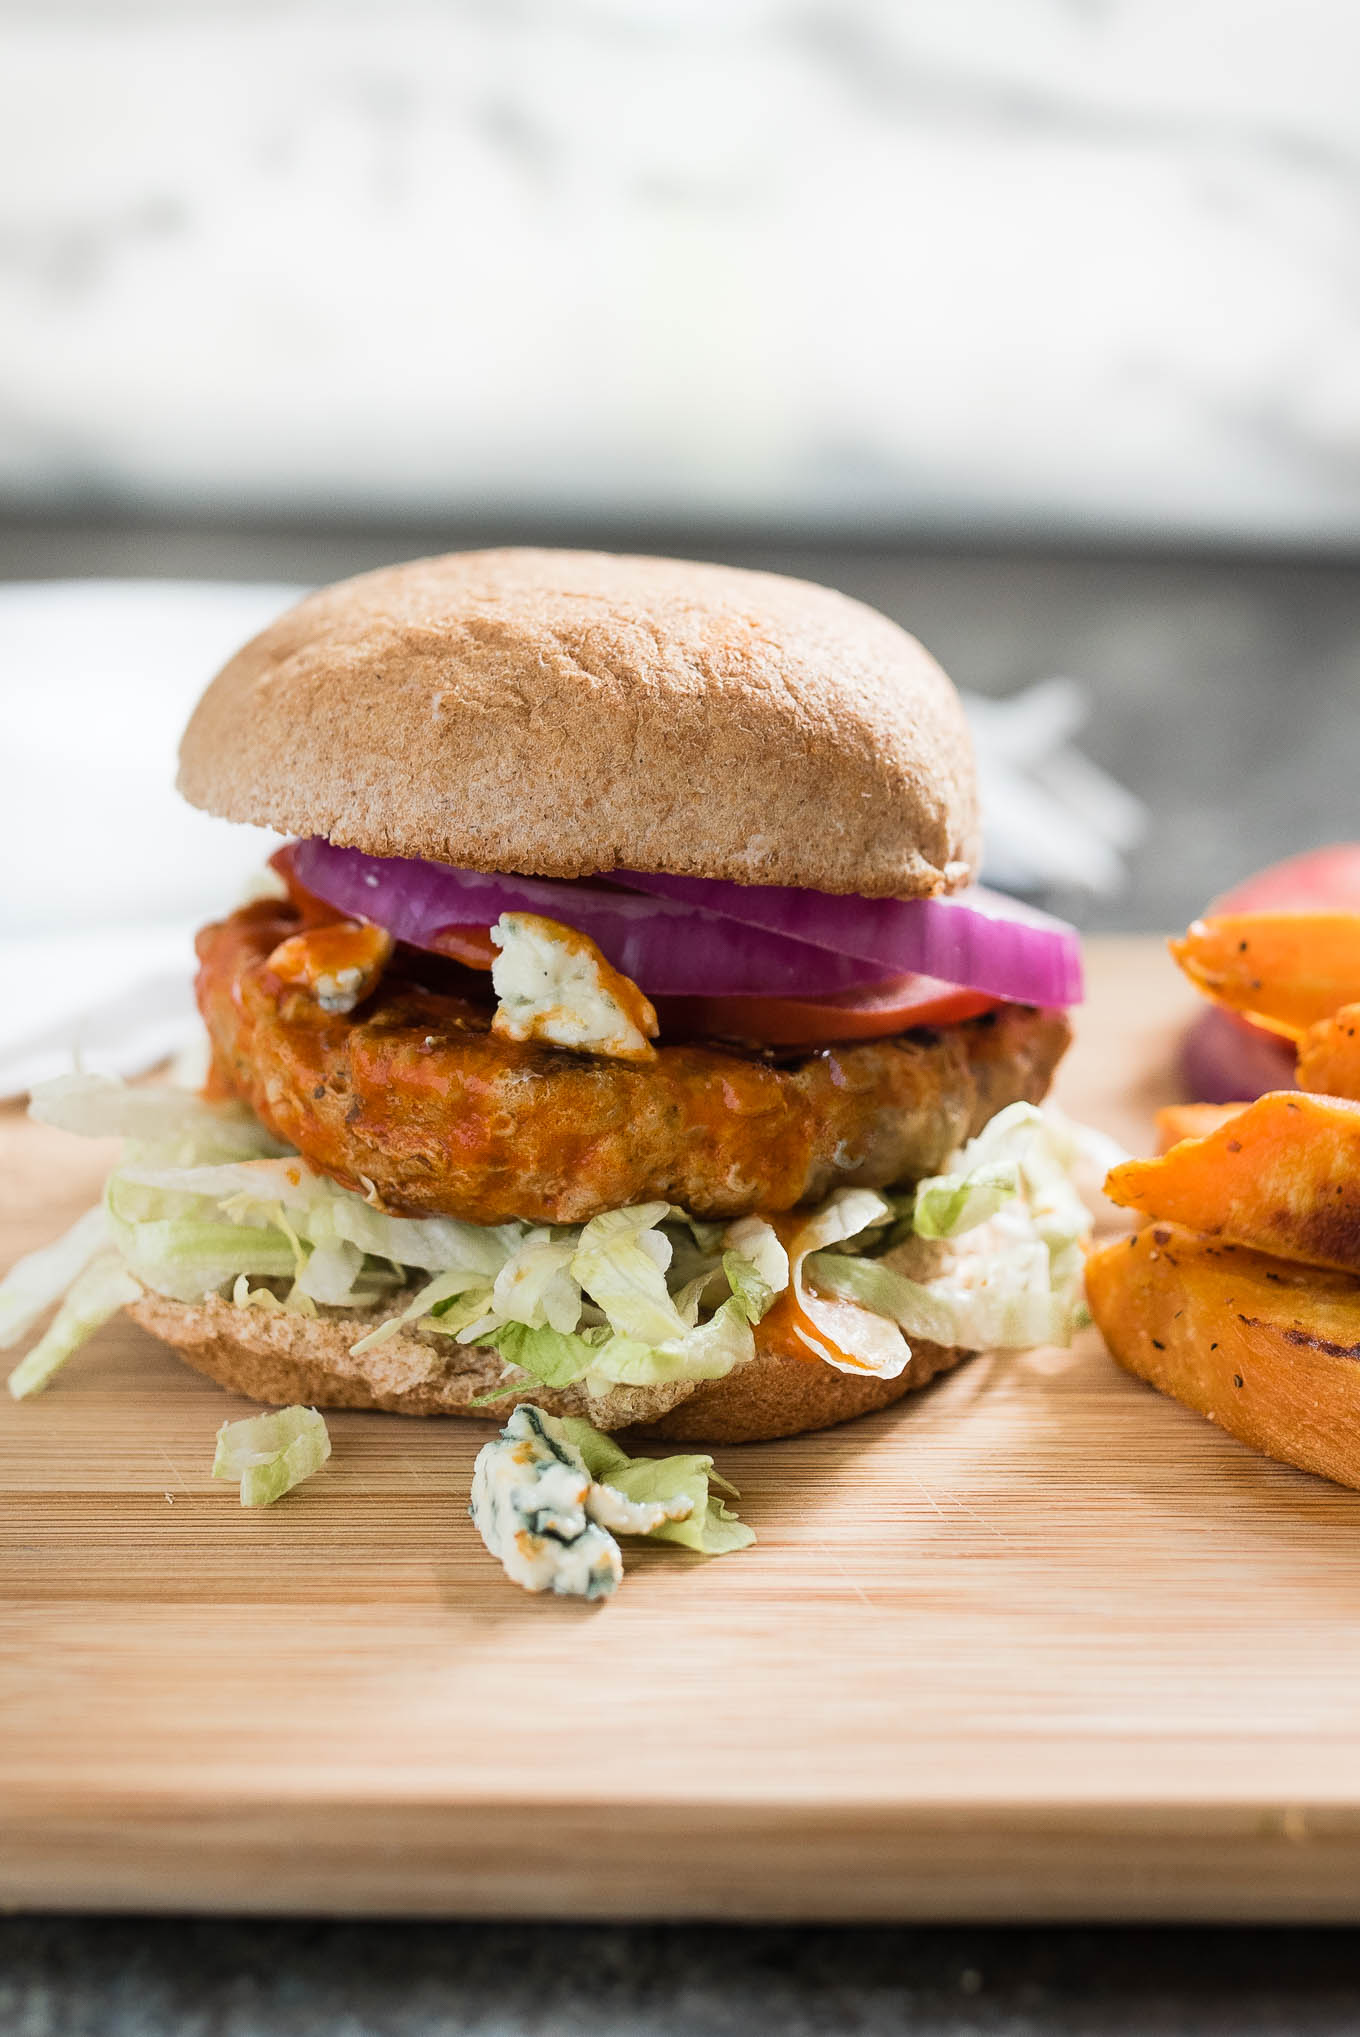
(787, 1327)
(325, 956)
(312, 910)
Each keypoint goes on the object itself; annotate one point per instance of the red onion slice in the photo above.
(668, 948)
(977, 938)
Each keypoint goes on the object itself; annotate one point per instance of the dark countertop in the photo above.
(1226, 692)
(136, 1977)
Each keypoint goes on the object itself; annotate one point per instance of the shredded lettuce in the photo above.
(186, 1260)
(757, 1244)
(204, 1202)
(609, 1501)
(683, 1492)
(1011, 1291)
(1023, 1152)
(1014, 1223)
(538, 1286)
(1001, 1297)
(835, 1327)
(270, 1454)
(437, 1302)
(35, 1282)
(102, 1107)
(649, 1337)
(749, 1286)
(323, 1213)
(552, 1357)
(243, 1295)
(949, 1204)
(872, 1285)
(709, 1351)
(330, 1272)
(604, 1358)
(621, 1260)
(93, 1298)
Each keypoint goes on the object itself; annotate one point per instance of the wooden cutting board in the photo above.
(1035, 1643)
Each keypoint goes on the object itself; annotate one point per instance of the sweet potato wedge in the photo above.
(1177, 1121)
(1268, 1350)
(1286, 970)
(1329, 1055)
(1283, 1176)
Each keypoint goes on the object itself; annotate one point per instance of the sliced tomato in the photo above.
(472, 946)
(868, 1014)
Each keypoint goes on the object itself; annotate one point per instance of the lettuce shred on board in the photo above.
(270, 1454)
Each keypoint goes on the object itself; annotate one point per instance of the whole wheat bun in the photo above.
(559, 713)
(287, 1359)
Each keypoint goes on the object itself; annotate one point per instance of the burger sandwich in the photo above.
(620, 1029)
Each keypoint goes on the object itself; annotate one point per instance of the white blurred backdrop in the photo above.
(1054, 265)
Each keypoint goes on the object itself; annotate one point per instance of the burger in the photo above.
(620, 1028)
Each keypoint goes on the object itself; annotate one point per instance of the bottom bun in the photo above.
(776, 1395)
(284, 1359)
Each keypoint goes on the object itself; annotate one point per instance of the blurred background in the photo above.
(1069, 268)
(1034, 322)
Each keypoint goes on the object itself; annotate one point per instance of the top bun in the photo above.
(559, 713)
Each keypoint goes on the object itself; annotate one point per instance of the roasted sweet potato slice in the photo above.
(1286, 970)
(1283, 1175)
(1329, 1055)
(1177, 1121)
(1267, 1349)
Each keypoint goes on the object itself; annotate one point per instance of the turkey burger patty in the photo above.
(414, 1101)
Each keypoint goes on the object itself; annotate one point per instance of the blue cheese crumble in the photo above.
(538, 1510)
(554, 985)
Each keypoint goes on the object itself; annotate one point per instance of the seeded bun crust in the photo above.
(559, 713)
(287, 1359)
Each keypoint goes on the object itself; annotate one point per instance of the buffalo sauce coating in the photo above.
(786, 1328)
(338, 964)
(412, 1099)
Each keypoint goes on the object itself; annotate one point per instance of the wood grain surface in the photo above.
(1034, 1643)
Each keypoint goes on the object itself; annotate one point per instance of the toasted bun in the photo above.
(559, 713)
(285, 1359)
